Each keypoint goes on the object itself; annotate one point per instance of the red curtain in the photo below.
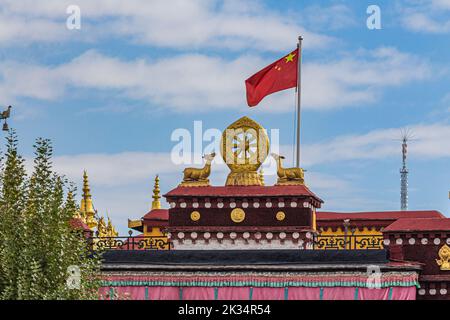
(233, 293)
(339, 293)
(404, 293)
(373, 294)
(198, 293)
(163, 293)
(302, 293)
(268, 294)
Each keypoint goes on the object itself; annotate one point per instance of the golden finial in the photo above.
(86, 208)
(156, 204)
(261, 176)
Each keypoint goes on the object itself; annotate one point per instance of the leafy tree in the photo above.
(40, 243)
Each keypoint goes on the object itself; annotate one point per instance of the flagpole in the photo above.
(299, 79)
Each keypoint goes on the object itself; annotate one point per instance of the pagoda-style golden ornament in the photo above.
(198, 177)
(244, 147)
(86, 208)
(156, 203)
(444, 257)
(288, 176)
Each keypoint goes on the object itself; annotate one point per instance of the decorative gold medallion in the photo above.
(237, 215)
(195, 215)
(280, 216)
(444, 257)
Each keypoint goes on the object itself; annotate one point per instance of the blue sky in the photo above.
(110, 94)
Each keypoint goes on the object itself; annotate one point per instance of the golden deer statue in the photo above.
(198, 176)
(288, 176)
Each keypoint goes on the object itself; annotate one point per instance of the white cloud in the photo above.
(426, 16)
(181, 24)
(334, 17)
(195, 82)
(431, 142)
(441, 4)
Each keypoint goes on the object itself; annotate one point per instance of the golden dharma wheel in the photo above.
(244, 147)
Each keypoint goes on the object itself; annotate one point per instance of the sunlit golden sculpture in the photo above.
(288, 176)
(101, 227)
(110, 230)
(156, 203)
(244, 148)
(198, 176)
(86, 208)
(444, 257)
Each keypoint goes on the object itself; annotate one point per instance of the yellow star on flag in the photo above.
(290, 57)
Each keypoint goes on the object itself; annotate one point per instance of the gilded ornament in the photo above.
(280, 216)
(237, 215)
(444, 257)
(244, 147)
(198, 177)
(288, 176)
(86, 207)
(195, 215)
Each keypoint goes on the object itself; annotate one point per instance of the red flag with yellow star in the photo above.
(278, 76)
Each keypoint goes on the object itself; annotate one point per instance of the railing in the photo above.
(131, 243)
(349, 242)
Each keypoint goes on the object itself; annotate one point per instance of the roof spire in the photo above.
(156, 204)
(86, 208)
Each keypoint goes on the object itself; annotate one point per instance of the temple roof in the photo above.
(419, 224)
(243, 191)
(378, 215)
(157, 214)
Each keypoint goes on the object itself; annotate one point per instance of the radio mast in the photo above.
(404, 172)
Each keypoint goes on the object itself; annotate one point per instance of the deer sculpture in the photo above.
(286, 175)
(199, 174)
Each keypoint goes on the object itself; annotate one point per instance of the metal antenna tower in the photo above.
(406, 136)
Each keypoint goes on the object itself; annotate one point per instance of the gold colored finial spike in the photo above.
(86, 207)
(86, 189)
(156, 204)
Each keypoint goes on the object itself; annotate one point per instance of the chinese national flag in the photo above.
(278, 76)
